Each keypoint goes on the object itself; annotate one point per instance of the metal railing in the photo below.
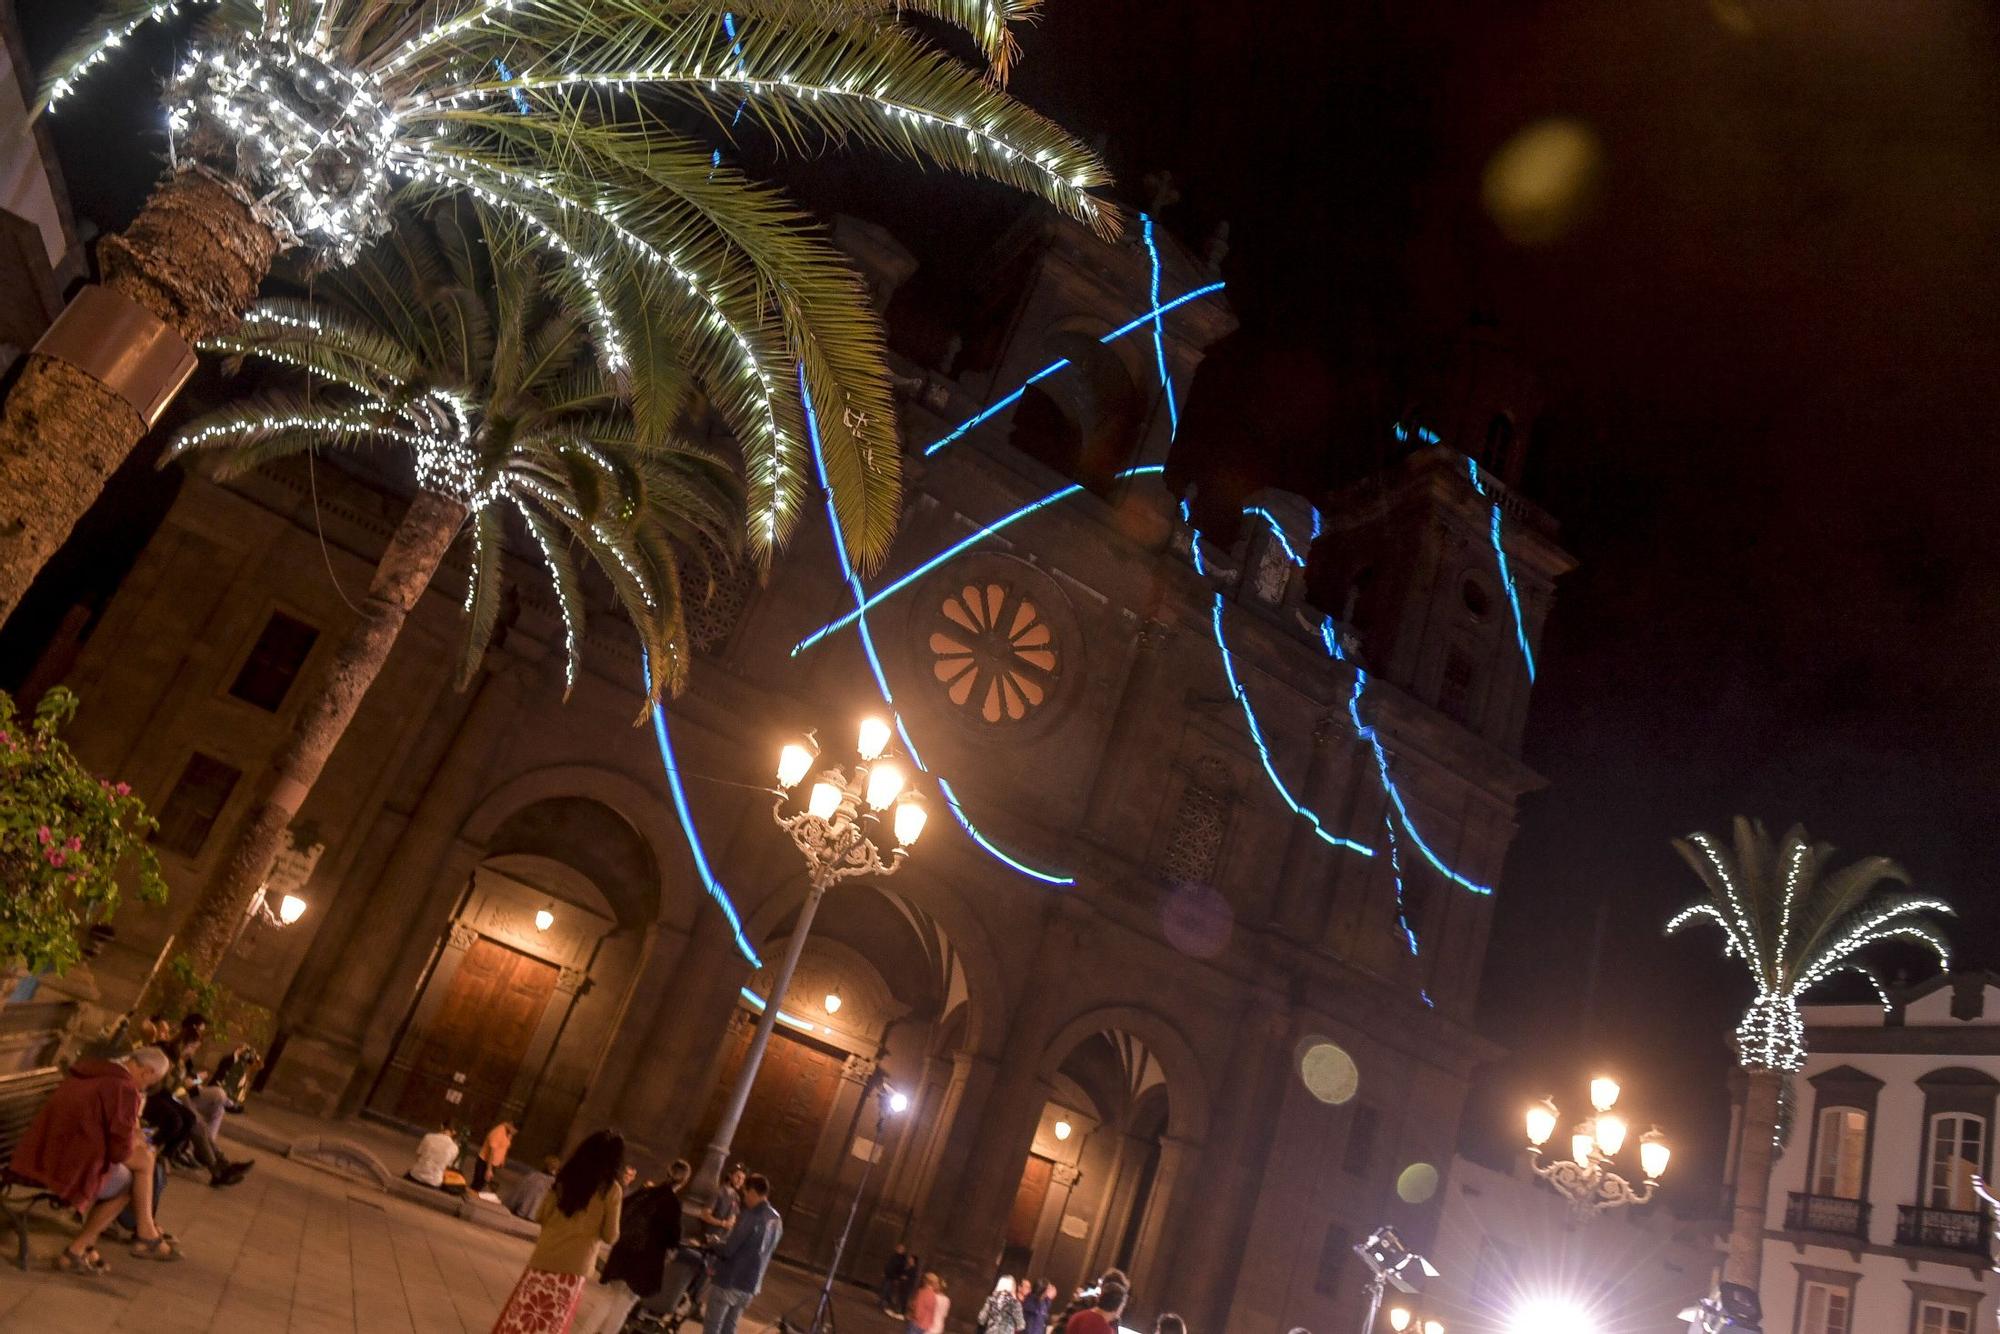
(1826, 1213)
(1943, 1229)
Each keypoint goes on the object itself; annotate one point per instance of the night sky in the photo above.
(1768, 342)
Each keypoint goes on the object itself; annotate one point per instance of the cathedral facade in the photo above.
(1180, 977)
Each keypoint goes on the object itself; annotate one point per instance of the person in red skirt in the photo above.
(579, 1213)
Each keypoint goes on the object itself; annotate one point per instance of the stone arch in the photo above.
(1089, 419)
(1188, 1097)
(638, 806)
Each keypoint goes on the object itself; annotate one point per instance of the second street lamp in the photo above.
(1587, 1178)
(836, 833)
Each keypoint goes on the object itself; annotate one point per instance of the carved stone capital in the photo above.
(1066, 1174)
(569, 981)
(857, 1069)
(461, 936)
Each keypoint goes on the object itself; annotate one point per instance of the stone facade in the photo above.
(507, 919)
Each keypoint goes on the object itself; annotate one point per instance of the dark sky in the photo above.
(1769, 349)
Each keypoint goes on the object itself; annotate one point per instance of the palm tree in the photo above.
(451, 340)
(1794, 922)
(594, 124)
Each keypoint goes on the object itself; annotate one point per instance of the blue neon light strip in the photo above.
(701, 867)
(1278, 531)
(1062, 363)
(1506, 573)
(867, 603)
(1395, 793)
(784, 1017)
(1160, 332)
(951, 800)
(1250, 716)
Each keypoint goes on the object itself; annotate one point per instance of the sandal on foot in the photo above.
(89, 1263)
(160, 1248)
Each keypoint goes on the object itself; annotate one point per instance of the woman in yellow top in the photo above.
(579, 1213)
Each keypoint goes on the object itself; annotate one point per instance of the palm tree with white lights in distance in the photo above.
(1795, 922)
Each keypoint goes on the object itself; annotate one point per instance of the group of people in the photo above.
(1015, 1306)
(102, 1142)
(587, 1208)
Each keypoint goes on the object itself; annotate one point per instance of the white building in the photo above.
(1511, 1253)
(1873, 1227)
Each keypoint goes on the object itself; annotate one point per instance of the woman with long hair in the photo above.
(928, 1308)
(579, 1213)
(1002, 1312)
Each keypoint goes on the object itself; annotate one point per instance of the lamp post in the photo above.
(1588, 1178)
(1387, 1258)
(834, 832)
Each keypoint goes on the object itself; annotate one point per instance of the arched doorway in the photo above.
(513, 1011)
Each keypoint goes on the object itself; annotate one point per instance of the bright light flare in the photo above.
(794, 762)
(825, 799)
(874, 737)
(1604, 1093)
(1552, 1315)
(1611, 1130)
(291, 908)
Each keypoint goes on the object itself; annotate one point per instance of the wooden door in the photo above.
(1026, 1215)
(476, 1038)
(789, 1103)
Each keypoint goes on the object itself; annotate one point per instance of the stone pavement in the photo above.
(304, 1251)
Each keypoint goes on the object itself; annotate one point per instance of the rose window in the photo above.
(994, 652)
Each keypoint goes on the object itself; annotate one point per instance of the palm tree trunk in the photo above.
(1754, 1152)
(401, 577)
(194, 257)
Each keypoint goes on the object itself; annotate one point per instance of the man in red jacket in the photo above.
(1103, 1318)
(85, 1148)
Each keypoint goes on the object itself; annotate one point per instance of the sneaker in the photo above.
(233, 1173)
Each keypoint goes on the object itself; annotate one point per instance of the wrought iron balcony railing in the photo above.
(1944, 1229)
(1826, 1213)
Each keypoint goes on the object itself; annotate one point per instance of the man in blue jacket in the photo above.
(745, 1255)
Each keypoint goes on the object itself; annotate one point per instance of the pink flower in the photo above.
(123, 789)
(44, 835)
(74, 843)
(56, 857)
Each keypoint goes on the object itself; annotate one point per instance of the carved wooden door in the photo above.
(469, 1054)
(789, 1104)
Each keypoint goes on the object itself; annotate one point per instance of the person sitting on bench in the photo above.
(85, 1148)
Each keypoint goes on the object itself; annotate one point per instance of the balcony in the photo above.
(1826, 1213)
(1943, 1229)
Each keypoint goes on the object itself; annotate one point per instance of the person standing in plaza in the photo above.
(897, 1273)
(649, 1230)
(1002, 1312)
(721, 1213)
(580, 1214)
(745, 1255)
(492, 1155)
(1036, 1306)
(928, 1308)
(1101, 1318)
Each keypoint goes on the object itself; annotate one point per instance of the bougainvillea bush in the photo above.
(69, 841)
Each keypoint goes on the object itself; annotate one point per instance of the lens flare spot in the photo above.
(1542, 181)
(1328, 1072)
(1417, 1184)
(1196, 920)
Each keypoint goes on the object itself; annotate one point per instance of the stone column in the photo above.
(1135, 703)
(1301, 903)
(1151, 1264)
(668, 1083)
(663, 957)
(953, 1139)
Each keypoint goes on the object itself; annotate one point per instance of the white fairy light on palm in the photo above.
(1771, 1035)
(314, 115)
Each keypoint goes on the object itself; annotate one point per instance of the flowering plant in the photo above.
(66, 837)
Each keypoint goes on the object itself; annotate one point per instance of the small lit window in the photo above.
(192, 808)
(1455, 687)
(274, 662)
(1843, 1148)
(1825, 1309)
(1938, 1318)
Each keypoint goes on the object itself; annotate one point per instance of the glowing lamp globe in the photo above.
(1654, 1154)
(1433, 1327)
(291, 908)
(1610, 1134)
(1064, 1129)
(825, 798)
(544, 919)
(910, 818)
(1541, 1118)
(1399, 1319)
(832, 1002)
(885, 784)
(1604, 1093)
(794, 762)
(1582, 1143)
(899, 1102)
(874, 737)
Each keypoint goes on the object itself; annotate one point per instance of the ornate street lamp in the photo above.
(1587, 1178)
(835, 832)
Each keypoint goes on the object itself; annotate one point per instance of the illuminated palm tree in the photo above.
(593, 125)
(453, 341)
(1794, 922)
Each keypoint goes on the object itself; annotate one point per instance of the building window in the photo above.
(191, 809)
(1455, 687)
(1194, 843)
(1499, 444)
(1843, 1150)
(712, 618)
(1825, 1308)
(1941, 1318)
(993, 652)
(1333, 1256)
(1958, 1147)
(275, 661)
(1359, 1156)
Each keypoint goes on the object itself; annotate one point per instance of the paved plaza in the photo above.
(298, 1249)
